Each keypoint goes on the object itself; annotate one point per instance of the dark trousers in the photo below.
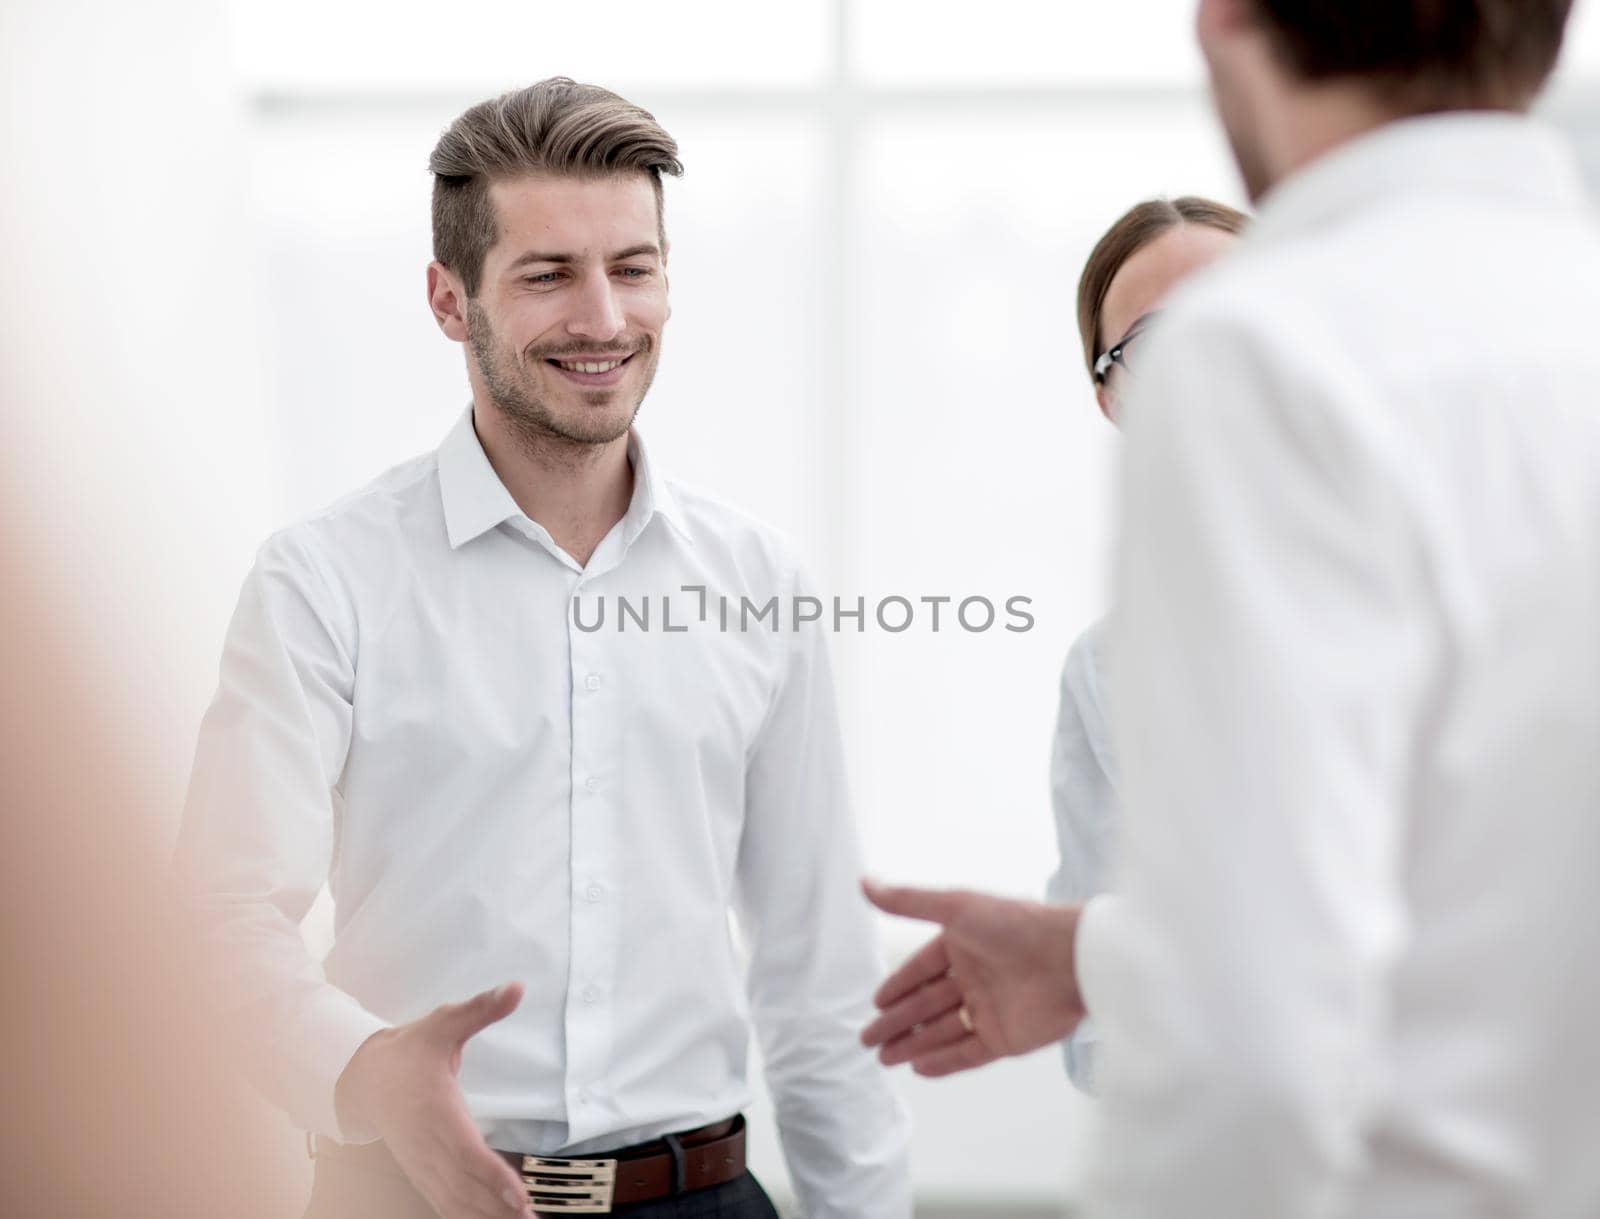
(346, 1190)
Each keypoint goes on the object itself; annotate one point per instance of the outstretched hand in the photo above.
(402, 1084)
(999, 979)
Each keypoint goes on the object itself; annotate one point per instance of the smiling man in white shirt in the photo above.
(1350, 966)
(514, 803)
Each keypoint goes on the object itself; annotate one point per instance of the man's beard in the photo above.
(510, 381)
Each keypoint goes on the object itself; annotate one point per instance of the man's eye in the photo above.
(544, 277)
(634, 272)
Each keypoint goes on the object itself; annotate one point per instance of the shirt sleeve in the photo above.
(1083, 798)
(258, 830)
(814, 962)
(1268, 668)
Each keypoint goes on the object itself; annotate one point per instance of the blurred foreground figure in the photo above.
(1349, 969)
(115, 1100)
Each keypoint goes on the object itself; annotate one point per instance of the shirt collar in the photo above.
(1483, 154)
(652, 494)
(475, 500)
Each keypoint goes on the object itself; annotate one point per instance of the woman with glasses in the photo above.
(1133, 268)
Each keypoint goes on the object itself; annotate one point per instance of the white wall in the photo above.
(128, 329)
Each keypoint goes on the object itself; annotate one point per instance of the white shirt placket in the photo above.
(594, 901)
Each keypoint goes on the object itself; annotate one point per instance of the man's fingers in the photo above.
(936, 1034)
(928, 963)
(495, 1189)
(468, 1199)
(457, 1196)
(477, 1181)
(458, 1022)
(930, 905)
(438, 1145)
(964, 1055)
(498, 1188)
(919, 1007)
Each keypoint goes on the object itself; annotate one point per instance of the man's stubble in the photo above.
(509, 378)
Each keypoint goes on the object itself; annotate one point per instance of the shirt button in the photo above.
(583, 1098)
(592, 681)
(592, 783)
(591, 994)
(594, 893)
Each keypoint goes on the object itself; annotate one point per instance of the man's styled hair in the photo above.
(554, 127)
(1425, 55)
(1137, 228)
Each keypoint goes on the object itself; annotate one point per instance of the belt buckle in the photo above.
(569, 1187)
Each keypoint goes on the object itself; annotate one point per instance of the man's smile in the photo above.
(594, 370)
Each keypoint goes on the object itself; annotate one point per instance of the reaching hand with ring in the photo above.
(999, 979)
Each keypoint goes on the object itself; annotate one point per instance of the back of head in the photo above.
(557, 126)
(1424, 55)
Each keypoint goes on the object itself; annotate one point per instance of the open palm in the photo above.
(998, 980)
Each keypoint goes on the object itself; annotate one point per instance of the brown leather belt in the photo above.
(674, 1164)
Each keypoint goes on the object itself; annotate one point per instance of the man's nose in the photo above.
(596, 312)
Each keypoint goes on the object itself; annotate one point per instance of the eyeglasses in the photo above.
(1119, 353)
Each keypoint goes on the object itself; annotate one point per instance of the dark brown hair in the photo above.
(1137, 228)
(556, 127)
(1425, 55)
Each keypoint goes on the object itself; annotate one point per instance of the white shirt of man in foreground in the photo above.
(439, 696)
(1349, 969)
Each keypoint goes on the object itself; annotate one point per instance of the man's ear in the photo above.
(447, 298)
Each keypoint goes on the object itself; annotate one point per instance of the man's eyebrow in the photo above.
(533, 256)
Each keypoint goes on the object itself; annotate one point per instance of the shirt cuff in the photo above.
(329, 1029)
(1097, 921)
(1080, 1050)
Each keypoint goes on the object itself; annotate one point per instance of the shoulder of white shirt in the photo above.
(378, 503)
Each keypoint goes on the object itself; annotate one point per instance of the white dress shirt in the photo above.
(1083, 798)
(410, 709)
(1352, 967)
